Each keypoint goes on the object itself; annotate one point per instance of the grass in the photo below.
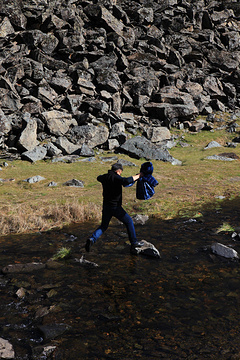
(62, 253)
(225, 227)
(182, 190)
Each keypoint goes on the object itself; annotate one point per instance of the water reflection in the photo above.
(184, 306)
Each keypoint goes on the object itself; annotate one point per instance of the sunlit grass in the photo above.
(182, 190)
(225, 227)
(62, 254)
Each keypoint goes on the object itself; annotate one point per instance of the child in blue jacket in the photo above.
(146, 183)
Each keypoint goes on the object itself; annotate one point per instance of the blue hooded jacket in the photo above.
(145, 184)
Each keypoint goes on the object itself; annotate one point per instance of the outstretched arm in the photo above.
(136, 177)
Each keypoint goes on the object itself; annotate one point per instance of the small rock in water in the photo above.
(6, 349)
(85, 262)
(147, 249)
(225, 251)
(53, 330)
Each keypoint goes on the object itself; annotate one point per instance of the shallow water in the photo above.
(184, 306)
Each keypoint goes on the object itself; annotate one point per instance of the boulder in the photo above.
(58, 122)
(38, 153)
(52, 150)
(89, 134)
(140, 147)
(158, 134)
(66, 146)
(86, 151)
(28, 138)
(171, 113)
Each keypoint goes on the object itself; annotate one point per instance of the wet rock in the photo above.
(38, 153)
(148, 249)
(86, 263)
(6, 349)
(225, 251)
(21, 293)
(53, 331)
(34, 179)
(42, 352)
(74, 183)
(23, 268)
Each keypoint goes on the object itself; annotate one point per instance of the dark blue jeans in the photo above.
(119, 213)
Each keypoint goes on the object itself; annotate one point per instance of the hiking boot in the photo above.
(88, 244)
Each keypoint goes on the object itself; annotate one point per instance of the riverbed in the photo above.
(182, 306)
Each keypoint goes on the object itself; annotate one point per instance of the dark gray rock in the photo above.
(23, 268)
(74, 183)
(140, 147)
(52, 331)
(163, 62)
(89, 134)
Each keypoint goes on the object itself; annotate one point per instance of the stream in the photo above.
(183, 306)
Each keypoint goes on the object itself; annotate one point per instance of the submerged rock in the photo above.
(23, 268)
(53, 330)
(85, 262)
(148, 249)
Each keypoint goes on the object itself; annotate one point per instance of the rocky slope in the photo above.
(76, 75)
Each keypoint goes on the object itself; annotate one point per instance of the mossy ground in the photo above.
(182, 190)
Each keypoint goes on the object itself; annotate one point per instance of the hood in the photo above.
(147, 168)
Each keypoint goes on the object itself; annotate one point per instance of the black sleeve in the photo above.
(125, 180)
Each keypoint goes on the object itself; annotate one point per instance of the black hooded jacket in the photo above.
(112, 187)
